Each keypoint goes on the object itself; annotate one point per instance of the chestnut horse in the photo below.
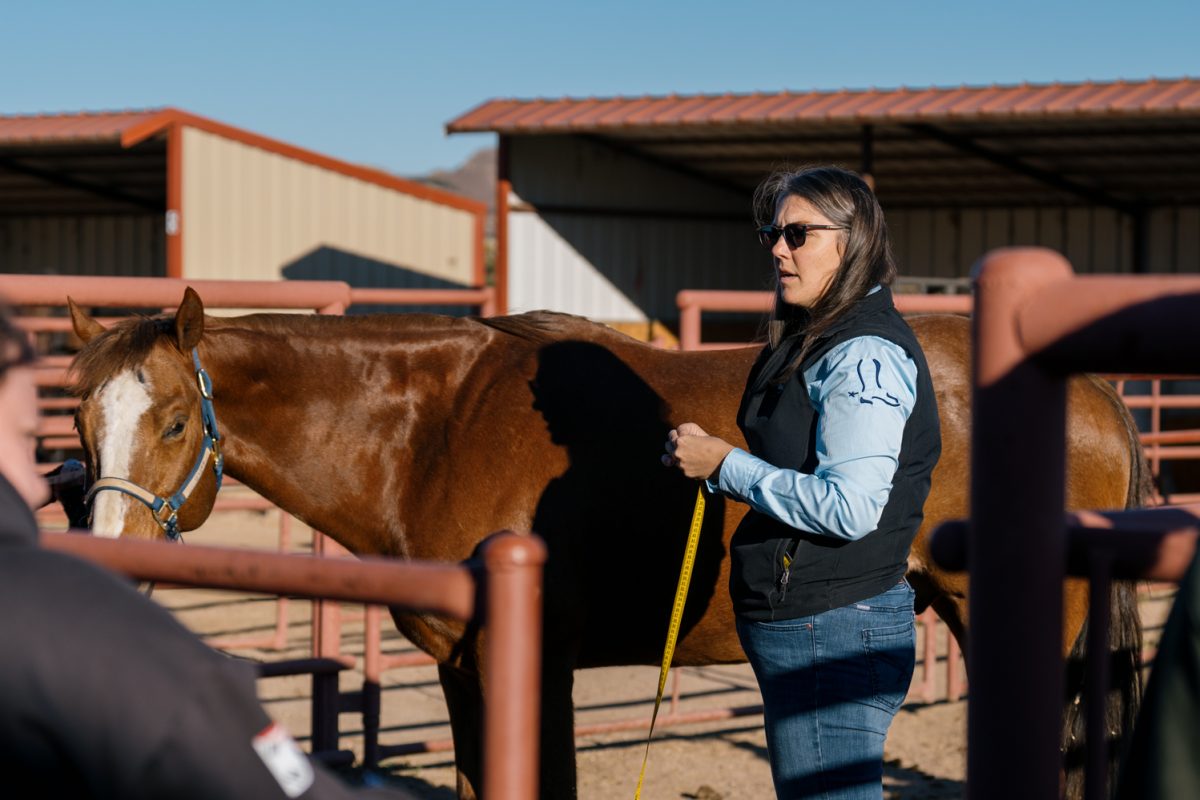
(416, 435)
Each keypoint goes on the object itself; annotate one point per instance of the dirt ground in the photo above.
(925, 751)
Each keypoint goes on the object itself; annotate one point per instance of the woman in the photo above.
(843, 433)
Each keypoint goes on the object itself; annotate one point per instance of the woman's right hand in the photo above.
(697, 454)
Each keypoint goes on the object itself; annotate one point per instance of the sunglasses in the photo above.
(794, 234)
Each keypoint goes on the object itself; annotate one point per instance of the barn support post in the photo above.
(173, 221)
(867, 169)
(503, 189)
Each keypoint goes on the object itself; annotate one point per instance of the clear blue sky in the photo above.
(375, 82)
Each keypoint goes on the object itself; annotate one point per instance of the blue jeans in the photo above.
(831, 684)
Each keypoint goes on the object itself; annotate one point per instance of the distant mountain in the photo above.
(474, 178)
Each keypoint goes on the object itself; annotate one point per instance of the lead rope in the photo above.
(681, 590)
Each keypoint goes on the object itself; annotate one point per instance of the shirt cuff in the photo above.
(738, 473)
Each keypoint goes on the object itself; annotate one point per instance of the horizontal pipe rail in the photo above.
(1148, 544)
(692, 302)
(55, 324)
(441, 589)
(52, 290)
(511, 613)
(1149, 376)
(722, 300)
(1082, 320)
(1163, 401)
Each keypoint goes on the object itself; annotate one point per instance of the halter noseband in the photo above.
(165, 510)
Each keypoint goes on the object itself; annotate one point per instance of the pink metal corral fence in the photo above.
(509, 570)
(693, 303)
(1036, 324)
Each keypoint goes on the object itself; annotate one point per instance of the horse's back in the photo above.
(1102, 449)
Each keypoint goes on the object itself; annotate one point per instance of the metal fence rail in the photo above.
(1036, 325)
(508, 570)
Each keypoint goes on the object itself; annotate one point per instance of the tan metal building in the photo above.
(608, 207)
(170, 193)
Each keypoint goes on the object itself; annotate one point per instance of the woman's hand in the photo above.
(697, 454)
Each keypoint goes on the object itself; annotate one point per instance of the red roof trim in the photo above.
(128, 128)
(161, 122)
(91, 127)
(1040, 100)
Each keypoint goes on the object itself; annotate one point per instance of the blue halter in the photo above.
(166, 509)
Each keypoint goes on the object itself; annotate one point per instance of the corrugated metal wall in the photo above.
(251, 214)
(1175, 239)
(625, 269)
(595, 232)
(83, 245)
(945, 242)
(657, 231)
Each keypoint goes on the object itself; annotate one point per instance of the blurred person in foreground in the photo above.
(1163, 761)
(103, 694)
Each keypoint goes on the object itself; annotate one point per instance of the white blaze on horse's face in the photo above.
(123, 402)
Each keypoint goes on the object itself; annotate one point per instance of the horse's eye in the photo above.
(176, 428)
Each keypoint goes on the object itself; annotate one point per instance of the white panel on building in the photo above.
(595, 232)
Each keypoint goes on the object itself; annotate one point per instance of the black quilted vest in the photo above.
(780, 427)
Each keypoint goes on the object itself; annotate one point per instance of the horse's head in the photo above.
(148, 431)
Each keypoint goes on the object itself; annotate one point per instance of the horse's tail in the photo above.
(1125, 641)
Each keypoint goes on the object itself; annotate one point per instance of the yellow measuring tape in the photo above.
(681, 590)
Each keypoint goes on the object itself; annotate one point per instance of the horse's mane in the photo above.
(129, 342)
(123, 346)
(539, 327)
(542, 327)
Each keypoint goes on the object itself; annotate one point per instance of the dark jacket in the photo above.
(780, 425)
(103, 694)
(1162, 763)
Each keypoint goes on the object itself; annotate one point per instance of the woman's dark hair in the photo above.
(15, 349)
(846, 200)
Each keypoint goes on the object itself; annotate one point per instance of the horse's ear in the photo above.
(86, 328)
(189, 321)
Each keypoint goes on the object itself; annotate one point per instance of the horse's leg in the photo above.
(464, 701)
(557, 774)
(953, 611)
(1123, 694)
(947, 594)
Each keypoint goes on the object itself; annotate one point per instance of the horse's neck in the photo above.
(313, 421)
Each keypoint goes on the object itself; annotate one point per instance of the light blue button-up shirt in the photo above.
(863, 391)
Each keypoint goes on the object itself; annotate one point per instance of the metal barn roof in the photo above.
(1123, 144)
(107, 162)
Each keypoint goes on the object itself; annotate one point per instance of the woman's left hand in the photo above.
(697, 454)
